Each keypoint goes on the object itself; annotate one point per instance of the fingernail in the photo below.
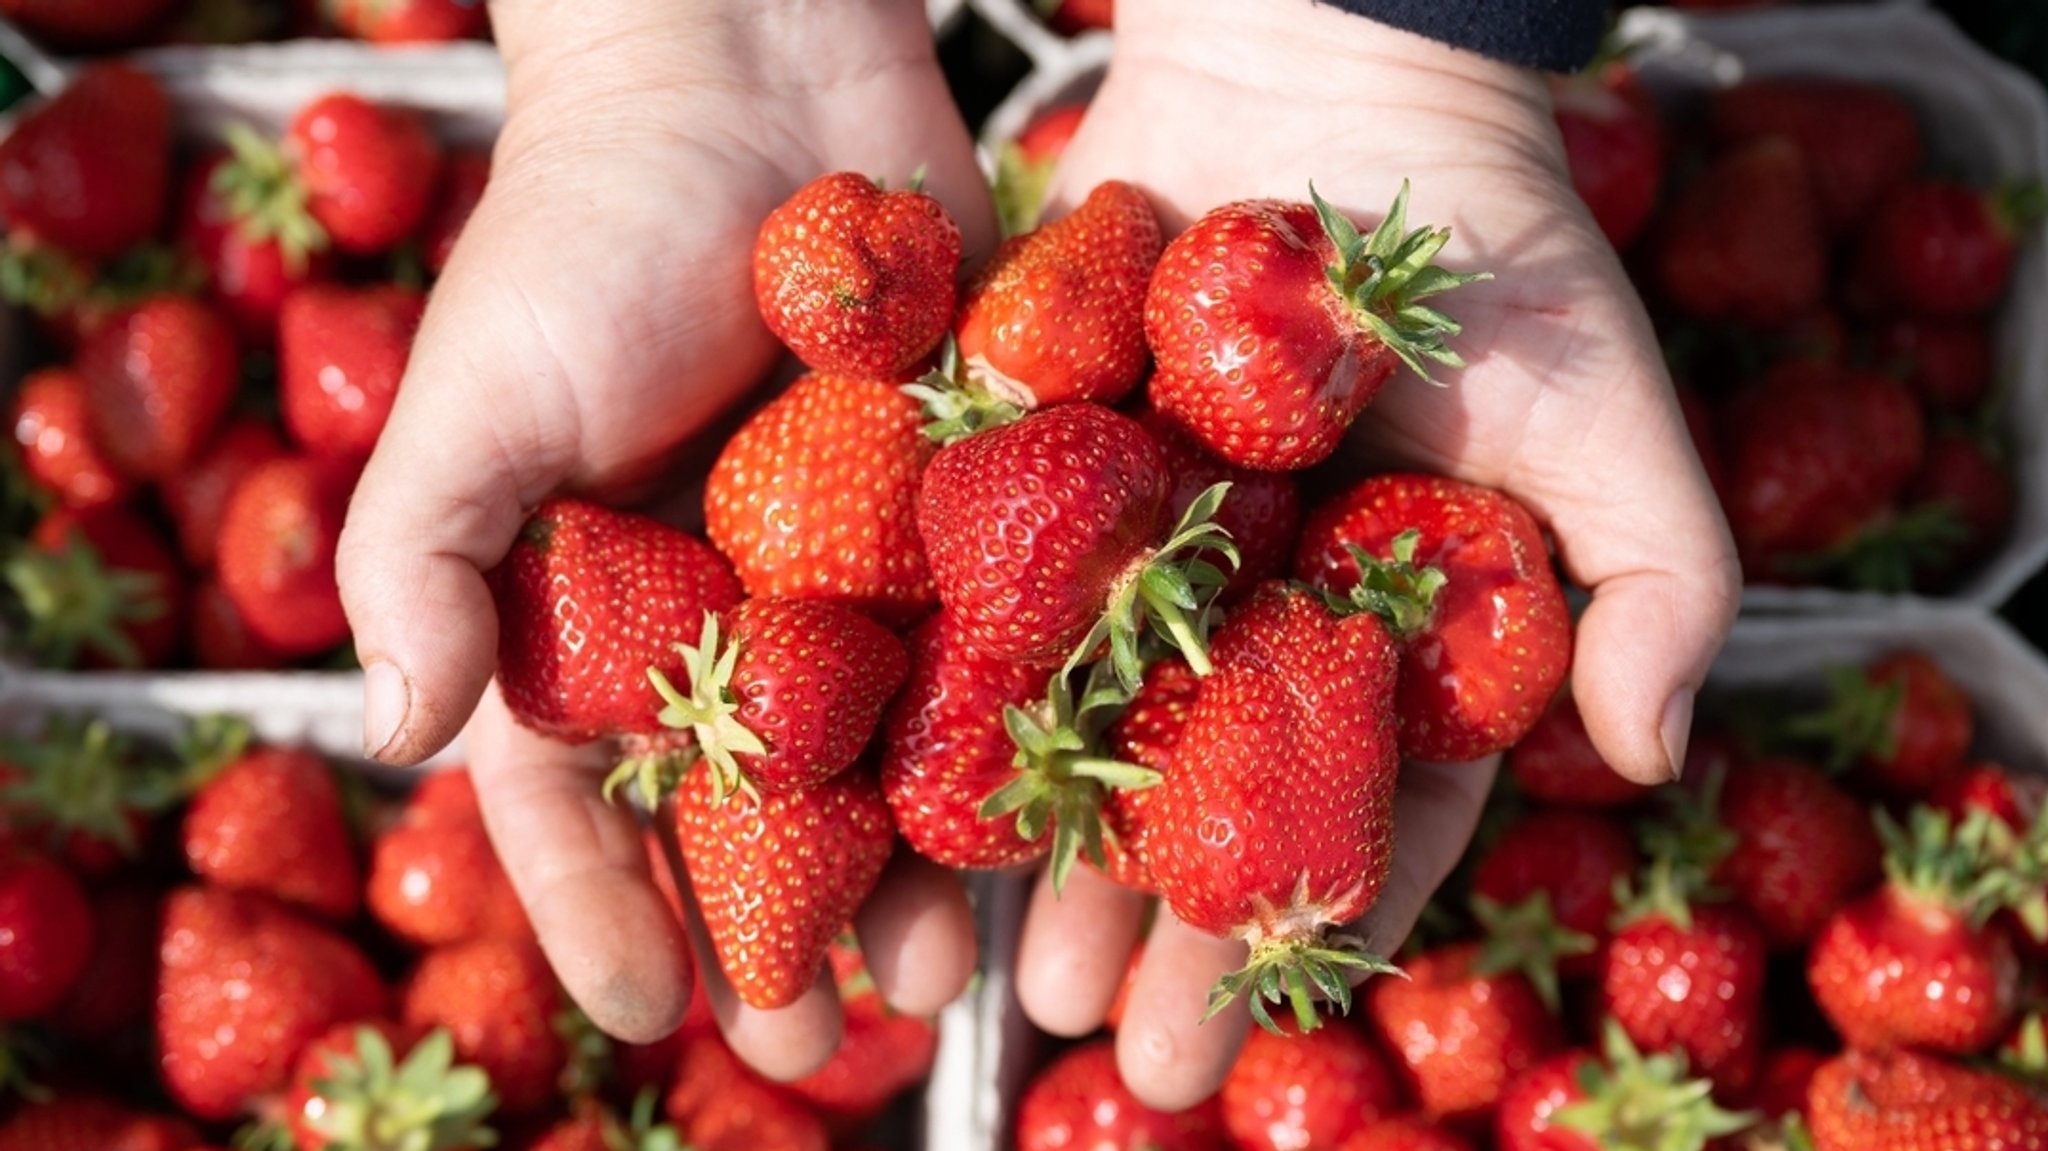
(386, 698)
(1677, 729)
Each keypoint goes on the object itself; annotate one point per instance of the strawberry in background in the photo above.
(90, 25)
(1615, 147)
(408, 21)
(341, 354)
(87, 171)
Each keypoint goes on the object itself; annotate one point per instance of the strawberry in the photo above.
(159, 379)
(78, 1122)
(434, 878)
(276, 553)
(1261, 512)
(499, 1001)
(720, 1105)
(1947, 363)
(409, 21)
(1058, 314)
(197, 497)
(72, 25)
(1461, 575)
(1079, 1101)
(1615, 148)
(1801, 847)
(1908, 1101)
(1557, 763)
(88, 170)
(1573, 858)
(59, 448)
(77, 790)
(463, 179)
(1965, 484)
(1144, 734)
(270, 820)
(245, 984)
(341, 352)
(251, 267)
(368, 170)
(594, 1127)
(115, 989)
(588, 599)
(1742, 242)
(1405, 1133)
(1580, 1101)
(1024, 166)
(777, 877)
(2010, 797)
(1073, 17)
(857, 280)
(221, 640)
(945, 749)
(1942, 249)
(97, 587)
(1275, 819)
(1315, 1089)
(881, 1056)
(1048, 535)
(1274, 324)
(1783, 1080)
(1049, 132)
(46, 934)
(816, 497)
(1901, 721)
(364, 1085)
(1859, 141)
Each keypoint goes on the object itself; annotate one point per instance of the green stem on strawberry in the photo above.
(1294, 969)
(1527, 937)
(45, 280)
(81, 778)
(2026, 1053)
(1172, 592)
(710, 712)
(1856, 722)
(266, 199)
(956, 407)
(75, 605)
(1401, 594)
(1935, 861)
(1638, 1103)
(1886, 555)
(1385, 277)
(374, 1100)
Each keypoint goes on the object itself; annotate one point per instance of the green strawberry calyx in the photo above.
(710, 712)
(80, 777)
(1638, 1103)
(1973, 868)
(1890, 553)
(1019, 188)
(1171, 591)
(1402, 594)
(1526, 937)
(958, 402)
(1857, 720)
(1294, 968)
(75, 604)
(427, 1102)
(2019, 204)
(1385, 276)
(266, 198)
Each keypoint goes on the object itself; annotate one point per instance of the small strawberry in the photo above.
(97, 588)
(434, 878)
(1274, 324)
(1801, 847)
(777, 877)
(1079, 1101)
(719, 1104)
(499, 1001)
(278, 535)
(409, 21)
(1947, 363)
(88, 170)
(46, 934)
(1615, 148)
(463, 179)
(251, 265)
(1942, 249)
(1742, 242)
(368, 170)
(1557, 763)
(1024, 166)
(364, 1086)
(246, 983)
(1969, 487)
(1901, 722)
(221, 640)
(159, 378)
(1144, 734)
(270, 820)
(78, 1122)
(1573, 859)
(1859, 141)
(59, 448)
(77, 789)
(1314, 1089)
(197, 497)
(117, 987)
(588, 599)
(1620, 1098)
(341, 352)
(1461, 576)
(881, 1055)
(1261, 512)
(1908, 1101)
(857, 280)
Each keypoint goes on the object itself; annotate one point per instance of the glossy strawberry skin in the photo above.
(1145, 734)
(80, 1122)
(816, 497)
(271, 821)
(160, 378)
(369, 170)
(463, 179)
(248, 278)
(1615, 149)
(88, 170)
(1458, 1036)
(1028, 526)
(1947, 363)
(46, 934)
(2012, 798)
(1079, 1103)
(341, 353)
(1312, 1090)
(857, 280)
(1931, 728)
(1803, 848)
(434, 877)
(1936, 248)
(1859, 141)
(1742, 242)
(1693, 987)
(411, 21)
(1557, 763)
(197, 497)
(278, 536)
(1524, 1121)
(1574, 858)
(1893, 970)
(1908, 1101)
(60, 450)
(1261, 511)
(588, 599)
(1246, 285)
(1046, 137)
(125, 542)
(945, 750)
(1497, 642)
(498, 999)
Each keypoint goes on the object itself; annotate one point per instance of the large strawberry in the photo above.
(1615, 148)
(1859, 141)
(499, 1001)
(855, 279)
(1079, 1101)
(779, 876)
(434, 878)
(251, 262)
(1276, 820)
(1742, 242)
(463, 178)
(1275, 323)
(1939, 248)
(81, 1122)
(1557, 763)
(1582, 1101)
(98, 587)
(278, 536)
(52, 424)
(197, 497)
(1799, 846)
(1462, 578)
(588, 599)
(1909, 1101)
(1261, 512)
(269, 819)
(366, 1085)
(160, 378)
(1305, 1090)
(1573, 859)
(88, 170)
(409, 21)
(246, 983)
(1901, 722)
(46, 933)
(341, 352)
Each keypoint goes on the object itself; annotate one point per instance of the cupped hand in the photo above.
(1564, 403)
(597, 315)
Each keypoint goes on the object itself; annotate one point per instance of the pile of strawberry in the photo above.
(222, 337)
(235, 940)
(114, 25)
(1833, 934)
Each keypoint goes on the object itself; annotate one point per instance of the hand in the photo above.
(1565, 404)
(597, 314)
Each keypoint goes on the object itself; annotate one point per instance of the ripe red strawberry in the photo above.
(88, 170)
(251, 264)
(1687, 977)
(270, 819)
(1079, 1101)
(98, 588)
(1859, 141)
(720, 1105)
(246, 983)
(159, 378)
(368, 171)
(46, 934)
(1276, 818)
(1901, 721)
(1024, 166)
(945, 749)
(1405, 1133)
(221, 640)
(1743, 241)
(197, 497)
(816, 497)
(499, 1001)
(115, 989)
(1047, 135)
(1058, 314)
(80, 1122)
(2010, 797)
(1273, 328)
(1615, 147)
(1073, 17)
(434, 878)
(1920, 962)
(1145, 734)
(592, 1126)
(59, 448)
(1579, 1101)
(1961, 481)
(1557, 763)
(1315, 1089)
(1943, 249)
(77, 790)
(463, 178)
(857, 280)
(588, 599)
(366, 1083)
(1948, 363)
(776, 878)
(1463, 580)
(276, 552)
(1261, 511)
(341, 352)
(881, 1056)
(1908, 1101)
(1801, 847)
(95, 25)
(409, 21)
(1572, 858)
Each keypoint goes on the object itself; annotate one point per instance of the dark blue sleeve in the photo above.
(1554, 35)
